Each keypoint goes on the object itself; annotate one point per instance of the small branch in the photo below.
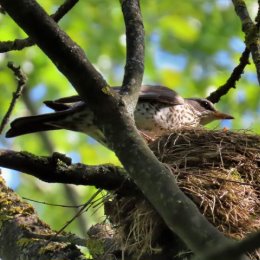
(19, 44)
(235, 250)
(134, 67)
(215, 96)
(16, 45)
(64, 9)
(58, 169)
(21, 83)
(251, 33)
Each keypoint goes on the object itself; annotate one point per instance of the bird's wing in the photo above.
(160, 94)
(151, 93)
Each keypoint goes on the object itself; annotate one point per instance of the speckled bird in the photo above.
(159, 110)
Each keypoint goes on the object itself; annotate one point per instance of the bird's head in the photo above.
(206, 110)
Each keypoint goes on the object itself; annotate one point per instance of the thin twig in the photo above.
(64, 9)
(76, 215)
(52, 204)
(19, 44)
(215, 96)
(21, 83)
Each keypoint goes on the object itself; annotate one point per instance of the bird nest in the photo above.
(218, 170)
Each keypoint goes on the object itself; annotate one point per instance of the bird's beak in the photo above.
(220, 115)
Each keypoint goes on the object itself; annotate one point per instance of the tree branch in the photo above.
(235, 250)
(64, 9)
(158, 185)
(134, 68)
(58, 169)
(251, 31)
(21, 83)
(20, 44)
(17, 218)
(215, 96)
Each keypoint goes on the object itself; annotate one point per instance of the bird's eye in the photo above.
(207, 105)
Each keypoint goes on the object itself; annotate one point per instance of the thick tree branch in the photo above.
(235, 250)
(20, 44)
(252, 36)
(134, 68)
(159, 186)
(17, 219)
(215, 96)
(58, 169)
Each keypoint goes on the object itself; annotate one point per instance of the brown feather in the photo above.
(151, 93)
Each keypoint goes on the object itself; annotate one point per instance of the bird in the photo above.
(159, 110)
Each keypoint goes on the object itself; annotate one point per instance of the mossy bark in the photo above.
(17, 221)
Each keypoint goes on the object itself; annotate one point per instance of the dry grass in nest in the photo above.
(137, 225)
(218, 170)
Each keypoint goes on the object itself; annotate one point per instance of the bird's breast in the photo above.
(159, 118)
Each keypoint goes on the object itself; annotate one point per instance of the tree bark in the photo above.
(17, 220)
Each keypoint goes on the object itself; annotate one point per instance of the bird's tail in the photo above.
(32, 124)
